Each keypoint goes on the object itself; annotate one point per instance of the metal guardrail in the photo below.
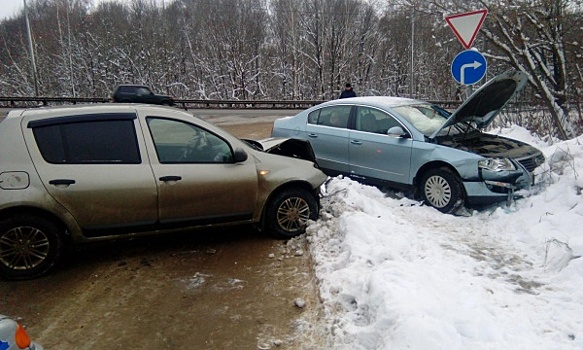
(17, 102)
(251, 104)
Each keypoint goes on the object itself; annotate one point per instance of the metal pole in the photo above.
(31, 48)
(411, 82)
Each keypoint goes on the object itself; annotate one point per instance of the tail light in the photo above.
(22, 339)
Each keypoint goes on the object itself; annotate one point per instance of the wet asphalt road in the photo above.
(213, 289)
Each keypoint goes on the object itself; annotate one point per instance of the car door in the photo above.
(94, 167)
(132, 94)
(373, 153)
(141, 95)
(327, 131)
(198, 180)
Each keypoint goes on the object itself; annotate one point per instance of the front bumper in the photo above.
(497, 187)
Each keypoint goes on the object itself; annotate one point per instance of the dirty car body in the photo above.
(87, 173)
(14, 337)
(445, 158)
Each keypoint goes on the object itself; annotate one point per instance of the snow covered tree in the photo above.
(295, 49)
(528, 35)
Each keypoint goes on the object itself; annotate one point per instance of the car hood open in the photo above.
(483, 105)
(285, 147)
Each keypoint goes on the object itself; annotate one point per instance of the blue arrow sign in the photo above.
(468, 67)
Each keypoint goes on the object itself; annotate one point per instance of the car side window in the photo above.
(313, 117)
(334, 116)
(88, 142)
(373, 120)
(143, 91)
(180, 142)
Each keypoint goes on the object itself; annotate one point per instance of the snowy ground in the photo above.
(393, 274)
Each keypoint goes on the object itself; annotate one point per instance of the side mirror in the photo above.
(397, 131)
(240, 155)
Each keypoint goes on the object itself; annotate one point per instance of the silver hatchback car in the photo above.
(445, 158)
(97, 172)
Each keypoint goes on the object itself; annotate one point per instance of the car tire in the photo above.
(29, 246)
(442, 189)
(289, 211)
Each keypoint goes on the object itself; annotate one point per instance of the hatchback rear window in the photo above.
(89, 142)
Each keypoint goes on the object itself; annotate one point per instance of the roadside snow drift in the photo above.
(394, 274)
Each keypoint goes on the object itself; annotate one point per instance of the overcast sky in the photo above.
(10, 8)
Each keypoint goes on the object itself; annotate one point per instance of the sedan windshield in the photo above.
(424, 117)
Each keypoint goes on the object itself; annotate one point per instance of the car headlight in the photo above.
(496, 164)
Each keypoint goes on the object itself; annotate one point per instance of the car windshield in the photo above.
(425, 117)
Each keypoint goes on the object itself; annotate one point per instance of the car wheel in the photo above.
(29, 246)
(442, 190)
(289, 211)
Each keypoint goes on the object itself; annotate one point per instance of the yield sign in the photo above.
(466, 25)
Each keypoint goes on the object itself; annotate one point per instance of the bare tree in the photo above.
(529, 36)
(293, 49)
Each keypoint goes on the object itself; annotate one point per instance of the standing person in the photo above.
(348, 92)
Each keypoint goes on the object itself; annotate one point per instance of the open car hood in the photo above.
(484, 104)
(294, 148)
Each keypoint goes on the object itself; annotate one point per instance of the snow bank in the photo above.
(394, 274)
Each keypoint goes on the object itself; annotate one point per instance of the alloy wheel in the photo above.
(23, 248)
(293, 214)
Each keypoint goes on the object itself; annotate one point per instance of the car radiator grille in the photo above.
(531, 163)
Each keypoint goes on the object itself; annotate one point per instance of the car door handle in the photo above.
(312, 135)
(170, 178)
(356, 142)
(61, 182)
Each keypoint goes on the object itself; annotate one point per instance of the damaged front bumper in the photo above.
(497, 186)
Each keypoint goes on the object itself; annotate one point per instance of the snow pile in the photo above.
(394, 274)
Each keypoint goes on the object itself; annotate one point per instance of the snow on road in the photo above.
(394, 274)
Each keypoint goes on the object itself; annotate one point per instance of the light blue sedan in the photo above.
(444, 158)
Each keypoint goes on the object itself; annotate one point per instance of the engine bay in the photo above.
(488, 145)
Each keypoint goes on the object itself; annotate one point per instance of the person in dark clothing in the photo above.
(348, 92)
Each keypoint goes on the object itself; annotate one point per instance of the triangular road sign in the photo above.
(466, 25)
